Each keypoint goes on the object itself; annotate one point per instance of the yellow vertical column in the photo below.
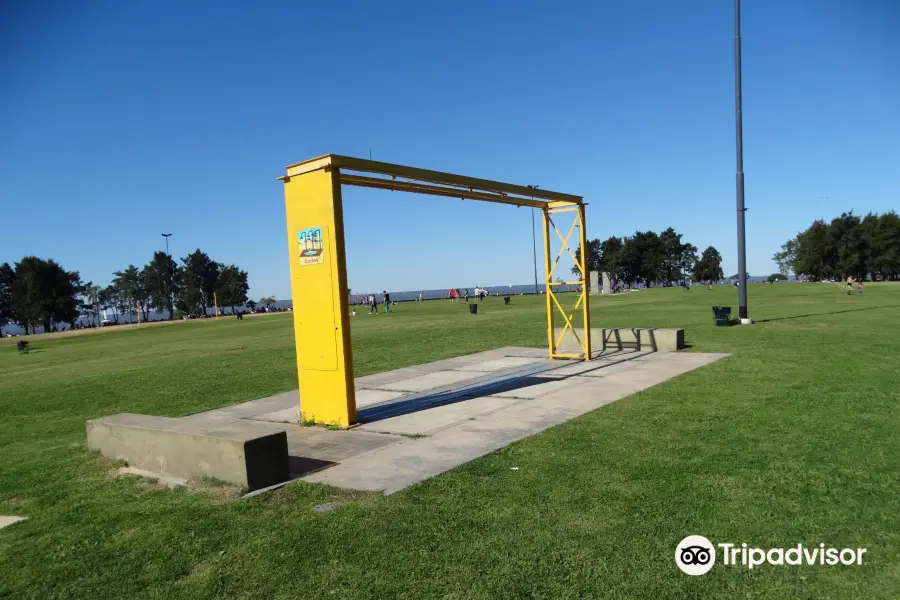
(585, 298)
(315, 228)
(548, 279)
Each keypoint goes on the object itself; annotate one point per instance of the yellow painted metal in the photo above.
(585, 299)
(434, 190)
(555, 205)
(548, 280)
(315, 231)
(584, 341)
(319, 271)
(347, 163)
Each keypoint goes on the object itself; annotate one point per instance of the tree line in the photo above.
(650, 258)
(847, 246)
(40, 292)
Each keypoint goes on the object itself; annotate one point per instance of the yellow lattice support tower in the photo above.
(553, 302)
(315, 227)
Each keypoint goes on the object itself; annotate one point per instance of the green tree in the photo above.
(162, 277)
(267, 301)
(688, 261)
(593, 259)
(232, 287)
(7, 281)
(672, 253)
(90, 302)
(111, 299)
(882, 235)
(709, 267)
(786, 259)
(813, 256)
(133, 294)
(43, 293)
(200, 276)
(848, 246)
(611, 257)
(776, 277)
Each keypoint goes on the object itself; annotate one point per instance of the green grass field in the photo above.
(793, 439)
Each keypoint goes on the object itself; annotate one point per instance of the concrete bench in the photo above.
(620, 338)
(246, 454)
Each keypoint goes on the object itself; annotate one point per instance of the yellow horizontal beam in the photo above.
(349, 163)
(556, 211)
(557, 355)
(555, 283)
(560, 204)
(421, 188)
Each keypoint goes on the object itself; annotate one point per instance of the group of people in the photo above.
(372, 303)
(454, 295)
(859, 285)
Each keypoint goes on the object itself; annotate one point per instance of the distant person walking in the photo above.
(373, 306)
(387, 301)
(467, 295)
(859, 286)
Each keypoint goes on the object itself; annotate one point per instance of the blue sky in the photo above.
(122, 120)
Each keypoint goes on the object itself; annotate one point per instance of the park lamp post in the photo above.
(739, 179)
(171, 295)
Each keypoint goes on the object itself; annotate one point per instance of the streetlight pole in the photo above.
(739, 180)
(534, 245)
(169, 290)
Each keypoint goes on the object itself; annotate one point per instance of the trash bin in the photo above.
(721, 315)
(473, 309)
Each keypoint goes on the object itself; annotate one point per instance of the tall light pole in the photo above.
(167, 236)
(534, 244)
(741, 210)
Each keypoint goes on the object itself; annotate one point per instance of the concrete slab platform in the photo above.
(423, 420)
(285, 415)
(530, 388)
(428, 381)
(396, 466)
(428, 421)
(499, 364)
(369, 397)
(6, 521)
(334, 445)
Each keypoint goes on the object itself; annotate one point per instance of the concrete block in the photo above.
(245, 453)
(652, 339)
(595, 284)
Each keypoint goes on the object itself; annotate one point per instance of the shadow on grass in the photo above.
(834, 312)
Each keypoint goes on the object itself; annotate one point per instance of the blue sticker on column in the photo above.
(312, 248)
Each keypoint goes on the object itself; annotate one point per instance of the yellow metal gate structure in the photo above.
(315, 227)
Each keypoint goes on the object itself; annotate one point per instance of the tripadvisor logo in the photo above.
(696, 555)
